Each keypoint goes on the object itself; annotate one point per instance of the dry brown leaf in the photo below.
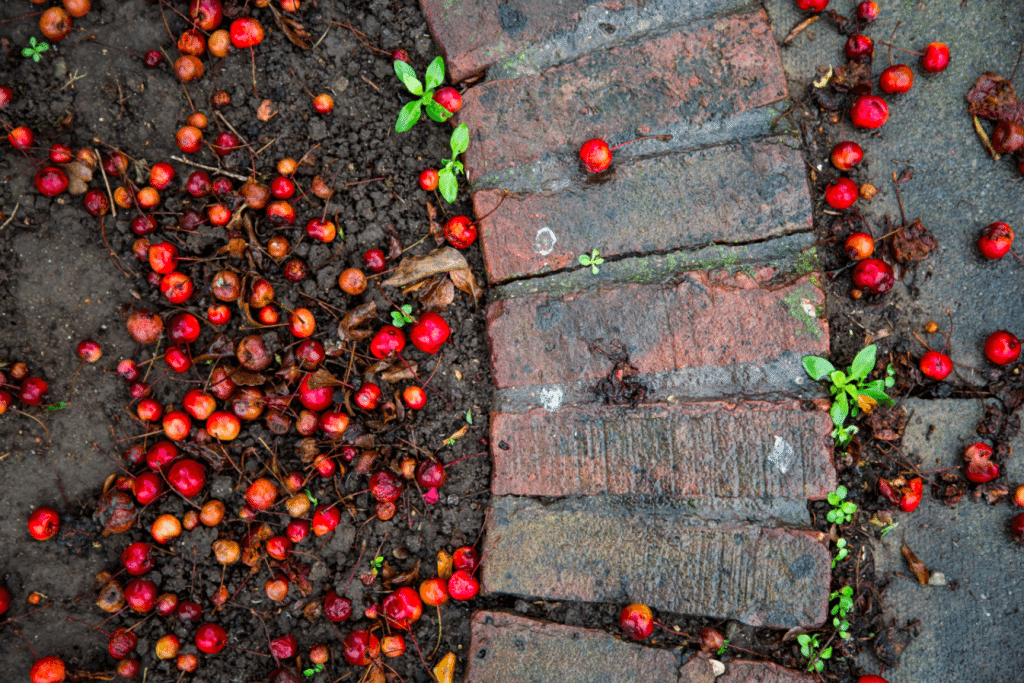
(437, 294)
(436, 229)
(244, 378)
(323, 378)
(912, 243)
(236, 248)
(394, 248)
(466, 281)
(78, 175)
(444, 672)
(916, 565)
(993, 97)
(398, 373)
(356, 318)
(266, 111)
(445, 561)
(457, 435)
(416, 268)
(800, 28)
(295, 31)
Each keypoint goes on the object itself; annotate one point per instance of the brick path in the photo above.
(694, 500)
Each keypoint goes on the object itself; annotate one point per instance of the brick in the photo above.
(506, 647)
(741, 671)
(635, 553)
(707, 320)
(475, 34)
(751, 450)
(708, 71)
(734, 193)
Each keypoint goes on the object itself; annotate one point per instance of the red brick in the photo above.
(506, 648)
(708, 320)
(734, 193)
(740, 671)
(599, 551)
(752, 450)
(707, 71)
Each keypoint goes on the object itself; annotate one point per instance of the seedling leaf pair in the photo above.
(593, 259)
(35, 49)
(447, 182)
(842, 509)
(411, 112)
(402, 316)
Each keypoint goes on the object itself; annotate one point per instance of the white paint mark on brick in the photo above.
(782, 455)
(551, 398)
(545, 240)
(808, 308)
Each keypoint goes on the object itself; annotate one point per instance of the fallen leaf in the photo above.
(799, 28)
(993, 97)
(394, 248)
(852, 76)
(399, 579)
(437, 293)
(295, 31)
(244, 378)
(416, 268)
(347, 328)
(457, 435)
(323, 378)
(436, 230)
(916, 565)
(398, 373)
(445, 562)
(912, 243)
(266, 111)
(466, 282)
(444, 672)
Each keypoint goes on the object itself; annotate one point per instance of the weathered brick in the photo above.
(752, 450)
(507, 648)
(743, 671)
(733, 193)
(475, 34)
(706, 320)
(604, 552)
(707, 71)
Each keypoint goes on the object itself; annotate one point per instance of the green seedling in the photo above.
(410, 113)
(810, 648)
(469, 417)
(842, 509)
(376, 563)
(447, 182)
(402, 316)
(313, 670)
(35, 49)
(841, 610)
(725, 646)
(851, 392)
(310, 496)
(56, 406)
(593, 259)
(842, 552)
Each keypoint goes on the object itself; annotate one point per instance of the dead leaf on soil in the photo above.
(444, 672)
(295, 31)
(436, 230)
(851, 76)
(800, 28)
(357, 317)
(466, 282)
(445, 561)
(437, 293)
(266, 111)
(323, 378)
(416, 268)
(912, 243)
(244, 378)
(916, 565)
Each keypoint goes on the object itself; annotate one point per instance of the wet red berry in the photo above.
(428, 179)
(935, 58)
(936, 365)
(896, 80)
(841, 193)
(859, 47)
(846, 155)
(449, 98)
(874, 276)
(978, 466)
(43, 523)
(595, 155)
(1002, 347)
(869, 111)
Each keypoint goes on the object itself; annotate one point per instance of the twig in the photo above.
(800, 28)
(113, 256)
(369, 82)
(228, 124)
(11, 217)
(113, 204)
(984, 139)
(236, 176)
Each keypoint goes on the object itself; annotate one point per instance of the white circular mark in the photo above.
(782, 456)
(551, 398)
(808, 308)
(545, 240)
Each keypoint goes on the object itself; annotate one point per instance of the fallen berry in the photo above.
(323, 104)
(60, 154)
(812, 5)
(367, 397)
(51, 181)
(434, 591)
(55, 24)
(43, 523)
(896, 80)
(89, 351)
(995, 241)
(21, 138)
(284, 647)
(935, 58)
(1017, 527)
(261, 494)
(845, 155)
(859, 246)
(246, 32)
(360, 647)
(211, 638)
(207, 14)
(140, 595)
(936, 365)
(869, 111)
(710, 640)
(873, 275)
(429, 332)
(595, 155)
(858, 47)
(325, 520)
(414, 397)
(374, 261)
(841, 193)
(47, 670)
(315, 399)
(137, 558)
(1007, 137)
(1002, 347)
(1018, 496)
(466, 558)
(187, 477)
(867, 10)
(402, 608)
(460, 232)
(387, 341)
(449, 98)
(428, 179)
(979, 467)
(636, 621)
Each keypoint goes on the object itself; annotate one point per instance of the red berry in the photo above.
(460, 232)
(400, 56)
(198, 184)
(315, 399)
(434, 592)
(152, 58)
(187, 477)
(859, 47)
(463, 586)
(297, 530)
(466, 558)
(211, 638)
(21, 138)
(374, 261)
(1017, 527)
(5, 600)
(979, 467)
(449, 98)
(841, 193)
(367, 396)
(51, 181)
(360, 648)
(859, 246)
(246, 32)
(868, 10)
(60, 154)
(282, 188)
(6, 96)
(896, 80)
(402, 608)
(225, 143)
(389, 340)
(935, 58)
(261, 494)
(189, 139)
(323, 104)
(429, 332)
(869, 111)
(430, 474)
(1002, 348)
(337, 608)
(936, 365)
(429, 179)
(846, 155)
(176, 287)
(912, 495)
(206, 13)
(43, 523)
(32, 390)
(47, 670)
(326, 520)
(595, 155)
(414, 397)
(385, 486)
(89, 351)
(812, 5)
(321, 230)
(141, 595)
(1007, 137)
(873, 275)
(96, 202)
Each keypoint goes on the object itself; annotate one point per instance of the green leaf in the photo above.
(826, 653)
(435, 73)
(846, 591)
(469, 417)
(407, 75)
(864, 363)
(817, 367)
(460, 140)
(408, 116)
(839, 378)
(594, 269)
(879, 397)
(310, 496)
(840, 409)
(42, 47)
(848, 507)
(805, 651)
(834, 516)
(803, 639)
(842, 492)
(584, 259)
(435, 110)
(851, 392)
(448, 185)
(27, 52)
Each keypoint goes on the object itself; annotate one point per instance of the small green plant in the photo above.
(841, 610)
(842, 509)
(410, 113)
(891, 527)
(725, 646)
(310, 496)
(447, 183)
(35, 50)
(593, 259)
(402, 316)
(850, 390)
(313, 670)
(810, 648)
(376, 563)
(56, 406)
(469, 417)
(842, 552)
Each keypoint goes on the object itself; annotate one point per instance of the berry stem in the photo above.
(891, 36)
(901, 49)
(646, 137)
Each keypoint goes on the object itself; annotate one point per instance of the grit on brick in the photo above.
(752, 450)
(728, 194)
(740, 671)
(507, 648)
(759, 576)
(707, 71)
(708, 319)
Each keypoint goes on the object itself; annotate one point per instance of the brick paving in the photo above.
(691, 507)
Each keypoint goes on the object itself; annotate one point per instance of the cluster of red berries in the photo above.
(18, 383)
